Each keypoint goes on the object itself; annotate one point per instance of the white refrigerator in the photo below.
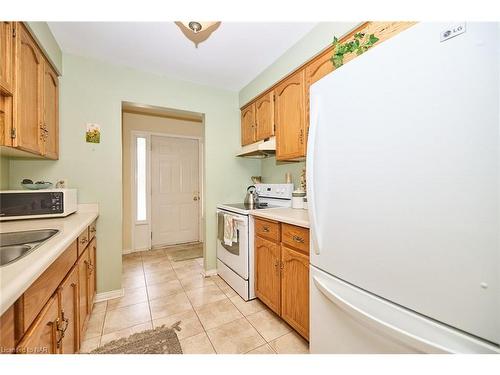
(403, 187)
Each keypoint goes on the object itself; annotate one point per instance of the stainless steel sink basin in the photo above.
(15, 245)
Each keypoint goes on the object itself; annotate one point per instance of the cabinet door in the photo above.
(83, 286)
(267, 273)
(264, 116)
(42, 336)
(289, 111)
(28, 95)
(248, 125)
(91, 273)
(6, 56)
(68, 340)
(295, 290)
(50, 126)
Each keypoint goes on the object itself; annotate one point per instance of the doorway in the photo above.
(175, 191)
(162, 180)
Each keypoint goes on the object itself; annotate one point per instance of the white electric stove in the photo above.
(235, 263)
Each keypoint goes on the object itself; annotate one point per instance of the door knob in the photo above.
(195, 198)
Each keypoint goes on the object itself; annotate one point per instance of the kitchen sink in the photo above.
(15, 245)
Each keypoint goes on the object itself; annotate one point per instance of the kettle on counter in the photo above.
(252, 198)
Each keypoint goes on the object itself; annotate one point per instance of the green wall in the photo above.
(92, 91)
(273, 172)
(4, 173)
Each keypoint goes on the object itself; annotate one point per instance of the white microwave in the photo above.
(36, 204)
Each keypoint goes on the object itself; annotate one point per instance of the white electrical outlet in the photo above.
(453, 31)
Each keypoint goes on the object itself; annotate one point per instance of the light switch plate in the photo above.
(453, 31)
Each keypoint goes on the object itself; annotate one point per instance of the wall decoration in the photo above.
(93, 134)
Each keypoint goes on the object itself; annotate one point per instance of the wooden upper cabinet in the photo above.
(68, 340)
(42, 337)
(264, 116)
(28, 94)
(290, 118)
(267, 273)
(6, 57)
(295, 289)
(50, 125)
(248, 133)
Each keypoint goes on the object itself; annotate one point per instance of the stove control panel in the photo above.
(283, 191)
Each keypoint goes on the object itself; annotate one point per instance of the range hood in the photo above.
(259, 150)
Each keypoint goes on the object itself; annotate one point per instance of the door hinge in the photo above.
(13, 32)
(13, 133)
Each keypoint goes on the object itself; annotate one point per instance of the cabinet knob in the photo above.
(265, 229)
(298, 239)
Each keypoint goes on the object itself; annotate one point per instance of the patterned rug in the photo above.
(161, 340)
(181, 252)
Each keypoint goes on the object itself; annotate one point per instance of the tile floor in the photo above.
(214, 319)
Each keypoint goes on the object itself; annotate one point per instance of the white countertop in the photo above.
(292, 216)
(16, 277)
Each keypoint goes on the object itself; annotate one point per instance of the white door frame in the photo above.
(133, 165)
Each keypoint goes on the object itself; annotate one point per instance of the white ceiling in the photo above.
(231, 57)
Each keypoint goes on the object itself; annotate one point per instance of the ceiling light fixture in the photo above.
(197, 32)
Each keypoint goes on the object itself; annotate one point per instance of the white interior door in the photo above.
(174, 190)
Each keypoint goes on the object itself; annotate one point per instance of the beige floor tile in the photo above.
(132, 256)
(126, 332)
(189, 323)
(247, 307)
(264, 349)
(208, 294)
(125, 317)
(94, 326)
(198, 281)
(133, 271)
(131, 297)
(161, 276)
(169, 305)
(217, 313)
(148, 254)
(90, 344)
(200, 261)
(99, 307)
(199, 344)
(291, 343)
(226, 289)
(156, 264)
(131, 282)
(269, 325)
(187, 272)
(236, 337)
(190, 263)
(164, 289)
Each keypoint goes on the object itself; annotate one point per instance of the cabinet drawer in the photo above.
(267, 229)
(92, 230)
(83, 241)
(296, 237)
(40, 291)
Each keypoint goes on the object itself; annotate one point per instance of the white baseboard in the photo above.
(212, 272)
(112, 294)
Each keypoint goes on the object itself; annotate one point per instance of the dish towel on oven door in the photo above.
(230, 234)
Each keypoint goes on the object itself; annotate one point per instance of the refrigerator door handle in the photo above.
(311, 154)
(378, 324)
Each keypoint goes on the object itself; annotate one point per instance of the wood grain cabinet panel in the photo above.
(83, 286)
(296, 237)
(295, 289)
(6, 57)
(267, 229)
(68, 339)
(290, 117)
(28, 120)
(91, 273)
(267, 273)
(264, 116)
(42, 336)
(83, 241)
(7, 331)
(40, 291)
(248, 133)
(50, 125)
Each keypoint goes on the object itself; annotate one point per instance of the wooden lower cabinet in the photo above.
(41, 338)
(267, 273)
(83, 304)
(282, 273)
(52, 313)
(68, 299)
(295, 289)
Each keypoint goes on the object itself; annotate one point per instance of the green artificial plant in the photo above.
(359, 45)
